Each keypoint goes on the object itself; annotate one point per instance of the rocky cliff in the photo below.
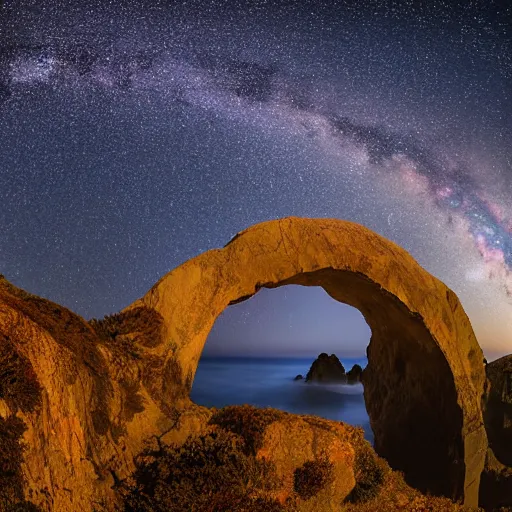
(328, 369)
(496, 487)
(79, 401)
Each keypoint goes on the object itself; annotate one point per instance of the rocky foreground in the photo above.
(96, 416)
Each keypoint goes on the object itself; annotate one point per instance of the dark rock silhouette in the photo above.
(355, 375)
(498, 408)
(326, 369)
(496, 485)
(299, 377)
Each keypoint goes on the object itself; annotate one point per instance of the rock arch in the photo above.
(425, 375)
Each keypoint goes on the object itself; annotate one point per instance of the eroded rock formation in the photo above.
(265, 460)
(90, 395)
(425, 375)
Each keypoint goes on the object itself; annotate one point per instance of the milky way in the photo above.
(395, 117)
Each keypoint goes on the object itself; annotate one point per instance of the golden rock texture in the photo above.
(425, 377)
(93, 394)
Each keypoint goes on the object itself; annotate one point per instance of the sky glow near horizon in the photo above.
(135, 137)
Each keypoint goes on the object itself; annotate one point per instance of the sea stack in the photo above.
(355, 375)
(327, 369)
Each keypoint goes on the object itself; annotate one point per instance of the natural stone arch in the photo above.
(425, 375)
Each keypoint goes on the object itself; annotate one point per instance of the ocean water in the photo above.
(266, 382)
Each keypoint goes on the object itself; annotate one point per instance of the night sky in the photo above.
(134, 137)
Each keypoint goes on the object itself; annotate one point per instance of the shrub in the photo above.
(395, 495)
(18, 382)
(144, 325)
(312, 477)
(23, 506)
(247, 421)
(209, 473)
(11, 457)
(369, 473)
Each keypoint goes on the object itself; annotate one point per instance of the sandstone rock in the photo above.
(326, 369)
(355, 374)
(92, 394)
(86, 397)
(425, 378)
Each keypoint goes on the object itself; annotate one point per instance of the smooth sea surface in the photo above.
(268, 382)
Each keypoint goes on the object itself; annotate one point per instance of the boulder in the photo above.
(298, 377)
(326, 369)
(355, 375)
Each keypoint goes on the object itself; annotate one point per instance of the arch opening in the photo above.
(256, 349)
(409, 390)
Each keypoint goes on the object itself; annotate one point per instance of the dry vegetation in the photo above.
(11, 458)
(209, 473)
(395, 495)
(218, 472)
(18, 382)
(143, 326)
(215, 472)
(247, 421)
(370, 472)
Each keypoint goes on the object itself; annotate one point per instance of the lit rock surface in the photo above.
(295, 440)
(425, 375)
(87, 398)
(92, 394)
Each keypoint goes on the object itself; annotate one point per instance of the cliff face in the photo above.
(86, 395)
(85, 398)
(498, 408)
(496, 488)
